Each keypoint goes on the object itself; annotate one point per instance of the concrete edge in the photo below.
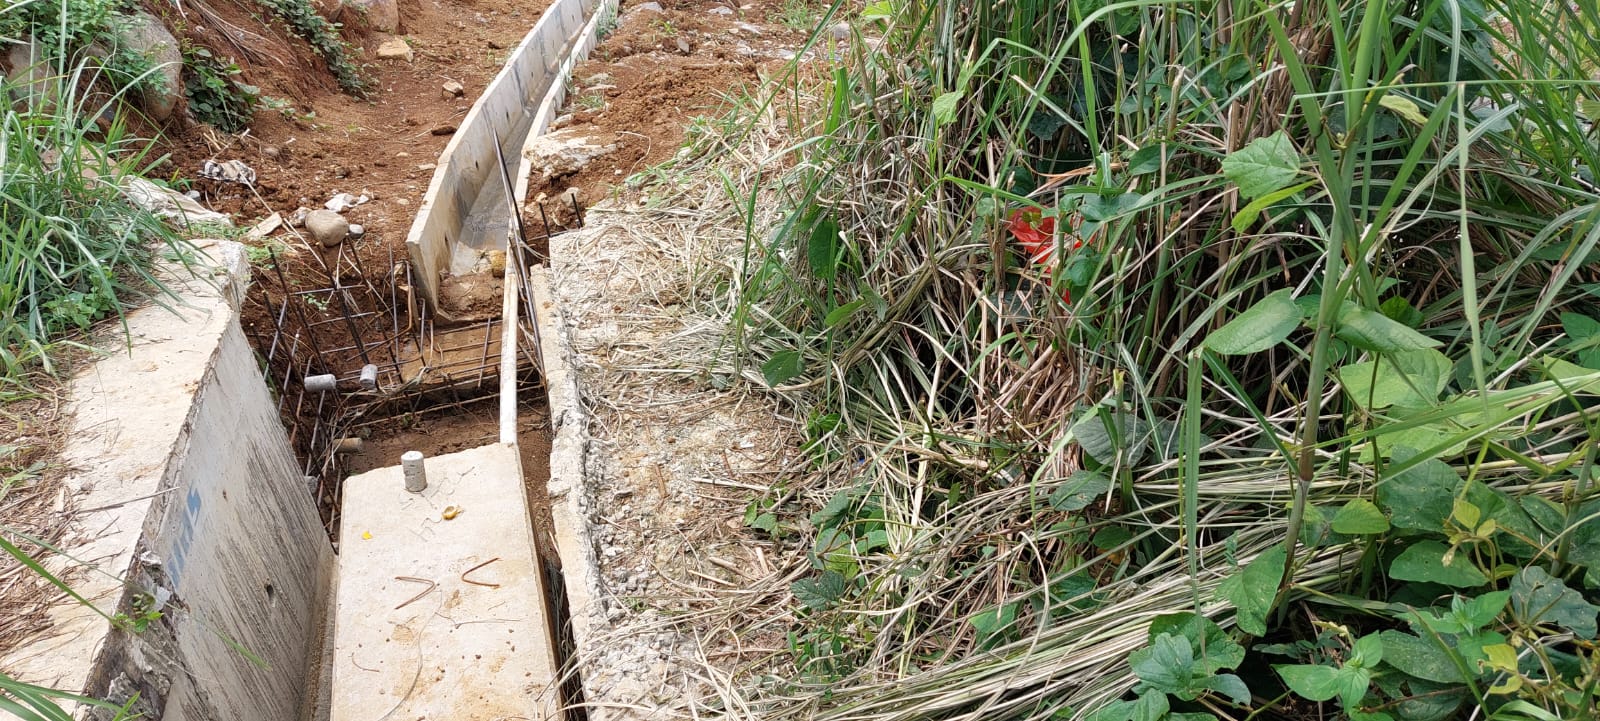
(571, 503)
(556, 97)
(467, 162)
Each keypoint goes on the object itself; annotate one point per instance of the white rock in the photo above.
(169, 204)
(564, 152)
(343, 201)
(144, 34)
(721, 10)
(394, 49)
(653, 7)
(357, 230)
(328, 227)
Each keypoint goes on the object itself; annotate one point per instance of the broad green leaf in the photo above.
(1425, 562)
(1263, 326)
(1265, 165)
(1115, 711)
(1590, 109)
(1585, 549)
(993, 623)
(1096, 439)
(1247, 215)
(1360, 517)
(819, 592)
(1230, 686)
(765, 522)
(1368, 651)
(1079, 490)
(1145, 160)
(1410, 379)
(1253, 588)
(880, 10)
(783, 367)
(1151, 706)
(1539, 598)
(944, 106)
(1166, 665)
(822, 249)
(1579, 327)
(1100, 208)
(1483, 610)
(1420, 498)
(1313, 682)
(1353, 685)
(1403, 108)
(1418, 657)
(1217, 650)
(1374, 331)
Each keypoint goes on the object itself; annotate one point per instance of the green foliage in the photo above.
(65, 31)
(216, 95)
(306, 23)
(72, 249)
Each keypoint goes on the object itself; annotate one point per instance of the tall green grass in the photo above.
(73, 250)
(1328, 249)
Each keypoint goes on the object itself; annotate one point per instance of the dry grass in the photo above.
(33, 502)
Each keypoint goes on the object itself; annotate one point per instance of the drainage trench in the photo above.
(415, 342)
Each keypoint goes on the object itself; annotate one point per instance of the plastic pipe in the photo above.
(322, 383)
(411, 467)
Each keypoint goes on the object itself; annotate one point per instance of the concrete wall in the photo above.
(468, 163)
(195, 505)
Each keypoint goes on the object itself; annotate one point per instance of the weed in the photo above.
(323, 36)
(592, 101)
(66, 32)
(797, 15)
(216, 95)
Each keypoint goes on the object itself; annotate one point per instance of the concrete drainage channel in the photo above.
(448, 598)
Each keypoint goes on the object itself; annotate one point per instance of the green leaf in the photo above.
(944, 107)
(1264, 325)
(1425, 561)
(1145, 160)
(1368, 651)
(782, 367)
(819, 592)
(1374, 331)
(1360, 517)
(993, 623)
(822, 249)
(1095, 437)
(1403, 108)
(1252, 589)
(1100, 208)
(1265, 165)
(1150, 706)
(1409, 379)
(1483, 610)
(1167, 665)
(1418, 657)
(1248, 214)
(1585, 548)
(1115, 711)
(1313, 682)
(842, 313)
(1420, 498)
(1579, 327)
(765, 522)
(1217, 649)
(1079, 490)
(1230, 686)
(1538, 598)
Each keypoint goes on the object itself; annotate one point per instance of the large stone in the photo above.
(36, 83)
(378, 16)
(172, 205)
(328, 227)
(564, 152)
(144, 34)
(394, 48)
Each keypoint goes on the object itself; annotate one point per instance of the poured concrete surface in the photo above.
(461, 651)
(193, 501)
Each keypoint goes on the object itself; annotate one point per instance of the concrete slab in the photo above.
(192, 499)
(436, 618)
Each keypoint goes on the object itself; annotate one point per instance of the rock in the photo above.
(443, 130)
(394, 49)
(32, 75)
(453, 89)
(683, 45)
(144, 34)
(272, 151)
(563, 152)
(341, 202)
(602, 88)
(721, 10)
(169, 204)
(650, 7)
(748, 28)
(378, 16)
(357, 230)
(328, 227)
(841, 31)
(297, 219)
(265, 227)
(561, 121)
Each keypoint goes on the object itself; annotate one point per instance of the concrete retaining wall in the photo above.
(195, 506)
(466, 169)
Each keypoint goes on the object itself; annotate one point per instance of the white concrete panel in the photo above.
(415, 638)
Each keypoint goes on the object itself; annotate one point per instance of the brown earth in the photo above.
(650, 78)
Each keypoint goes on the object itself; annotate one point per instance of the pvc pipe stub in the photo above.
(369, 376)
(322, 383)
(411, 468)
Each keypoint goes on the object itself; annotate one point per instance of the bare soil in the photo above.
(649, 80)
